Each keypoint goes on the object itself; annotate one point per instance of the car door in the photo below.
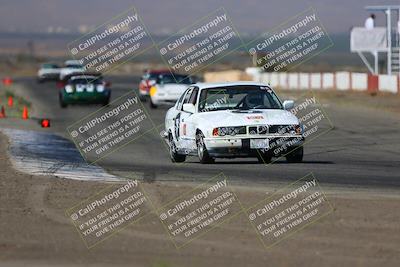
(177, 116)
(187, 131)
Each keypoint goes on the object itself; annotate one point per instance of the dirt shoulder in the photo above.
(361, 231)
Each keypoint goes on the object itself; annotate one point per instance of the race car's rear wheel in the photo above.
(202, 151)
(264, 157)
(296, 155)
(106, 102)
(173, 151)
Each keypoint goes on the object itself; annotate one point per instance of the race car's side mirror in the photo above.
(288, 104)
(188, 108)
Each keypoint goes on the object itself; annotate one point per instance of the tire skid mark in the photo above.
(39, 153)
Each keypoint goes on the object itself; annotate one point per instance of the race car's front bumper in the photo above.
(86, 97)
(231, 147)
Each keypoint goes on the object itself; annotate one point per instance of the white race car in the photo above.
(228, 120)
(71, 66)
(48, 72)
(168, 88)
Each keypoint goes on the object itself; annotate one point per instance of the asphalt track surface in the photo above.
(361, 151)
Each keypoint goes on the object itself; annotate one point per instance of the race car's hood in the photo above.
(172, 89)
(248, 117)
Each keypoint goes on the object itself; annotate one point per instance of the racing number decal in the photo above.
(177, 125)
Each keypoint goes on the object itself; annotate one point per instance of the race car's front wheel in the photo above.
(61, 101)
(295, 156)
(202, 151)
(173, 151)
(152, 105)
(106, 102)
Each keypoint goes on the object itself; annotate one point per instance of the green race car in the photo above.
(81, 88)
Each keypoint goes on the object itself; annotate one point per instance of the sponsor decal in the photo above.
(255, 117)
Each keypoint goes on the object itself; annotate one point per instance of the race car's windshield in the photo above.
(49, 66)
(168, 78)
(74, 66)
(243, 97)
(150, 76)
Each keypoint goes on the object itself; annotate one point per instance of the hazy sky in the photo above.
(252, 16)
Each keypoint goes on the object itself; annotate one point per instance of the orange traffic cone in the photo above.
(2, 112)
(10, 101)
(25, 113)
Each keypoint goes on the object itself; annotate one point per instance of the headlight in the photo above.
(69, 88)
(90, 87)
(222, 131)
(287, 129)
(233, 130)
(298, 129)
(100, 88)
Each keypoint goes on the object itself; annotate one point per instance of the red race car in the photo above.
(148, 80)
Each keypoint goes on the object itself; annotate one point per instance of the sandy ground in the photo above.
(363, 230)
